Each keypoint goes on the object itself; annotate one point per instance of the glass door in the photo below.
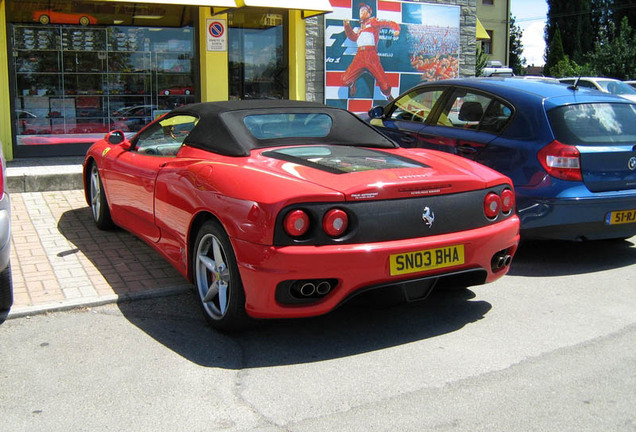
(257, 50)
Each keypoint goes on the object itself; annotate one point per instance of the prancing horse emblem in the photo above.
(428, 217)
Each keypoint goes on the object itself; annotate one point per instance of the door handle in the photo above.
(466, 149)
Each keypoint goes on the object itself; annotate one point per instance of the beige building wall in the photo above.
(495, 17)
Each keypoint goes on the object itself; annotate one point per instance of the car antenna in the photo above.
(575, 86)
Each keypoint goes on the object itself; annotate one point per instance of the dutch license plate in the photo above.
(429, 259)
(621, 217)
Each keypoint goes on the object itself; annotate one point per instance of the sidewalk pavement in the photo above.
(60, 260)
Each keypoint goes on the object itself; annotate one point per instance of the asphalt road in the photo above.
(550, 347)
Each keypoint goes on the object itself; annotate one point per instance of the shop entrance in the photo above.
(257, 51)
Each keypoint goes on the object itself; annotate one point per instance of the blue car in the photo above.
(570, 151)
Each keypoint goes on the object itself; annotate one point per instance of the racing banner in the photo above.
(375, 49)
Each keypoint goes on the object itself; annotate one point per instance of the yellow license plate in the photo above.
(621, 217)
(429, 259)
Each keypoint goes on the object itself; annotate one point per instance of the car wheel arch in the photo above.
(216, 277)
(90, 161)
(102, 217)
(197, 222)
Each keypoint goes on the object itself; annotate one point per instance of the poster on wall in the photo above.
(375, 50)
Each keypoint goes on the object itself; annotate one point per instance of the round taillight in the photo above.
(335, 222)
(507, 200)
(296, 223)
(492, 205)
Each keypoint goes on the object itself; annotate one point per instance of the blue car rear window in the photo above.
(594, 123)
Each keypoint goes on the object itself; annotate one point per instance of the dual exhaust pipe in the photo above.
(500, 260)
(313, 288)
(304, 291)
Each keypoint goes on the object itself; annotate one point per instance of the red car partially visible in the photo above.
(182, 90)
(277, 209)
(49, 16)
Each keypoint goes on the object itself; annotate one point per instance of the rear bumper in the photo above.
(358, 267)
(574, 218)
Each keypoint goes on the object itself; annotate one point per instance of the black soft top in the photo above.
(221, 128)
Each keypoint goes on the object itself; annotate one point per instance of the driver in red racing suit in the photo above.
(367, 56)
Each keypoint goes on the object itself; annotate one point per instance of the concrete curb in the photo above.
(40, 175)
(67, 305)
(44, 183)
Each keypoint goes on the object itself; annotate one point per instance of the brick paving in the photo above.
(60, 260)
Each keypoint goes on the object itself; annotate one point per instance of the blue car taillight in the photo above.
(561, 161)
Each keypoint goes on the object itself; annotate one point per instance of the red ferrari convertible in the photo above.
(279, 209)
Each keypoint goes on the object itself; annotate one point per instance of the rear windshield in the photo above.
(594, 123)
(288, 125)
(341, 159)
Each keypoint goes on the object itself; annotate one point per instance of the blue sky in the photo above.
(531, 15)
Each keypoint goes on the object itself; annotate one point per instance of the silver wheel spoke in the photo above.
(213, 276)
(223, 296)
(218, 255)
(95, 193)
(208, 263)
(224, 274)
(95, 200)
(213, 290)
(94, 182)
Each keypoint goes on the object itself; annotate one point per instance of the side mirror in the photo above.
(376, 112)
(115, 137)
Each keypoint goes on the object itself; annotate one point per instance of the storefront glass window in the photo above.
(82, 69)
(257, 52)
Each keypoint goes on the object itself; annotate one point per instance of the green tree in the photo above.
(624, 8)
(573, 19)
(567, 68)
(602, 15)
(605, 24)
(481, 60)
(614, 53)
(555, 54)
(515, 57)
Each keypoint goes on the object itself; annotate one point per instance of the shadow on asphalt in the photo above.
(354, 328)
(540, 258)
(177, 323)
